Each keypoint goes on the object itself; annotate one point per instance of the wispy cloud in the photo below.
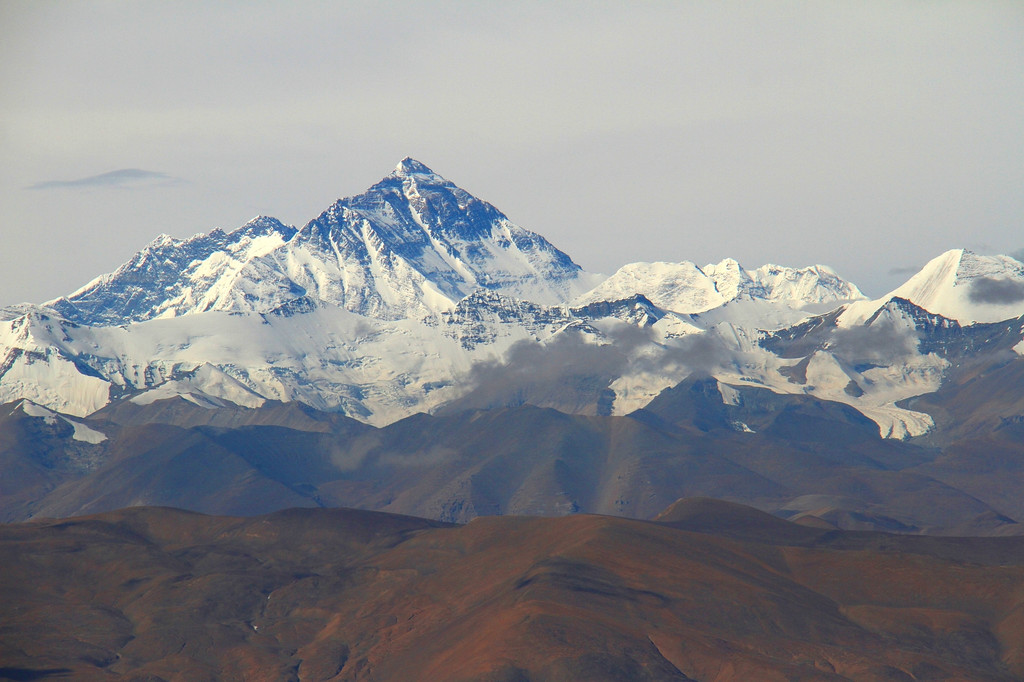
(905, 270)
(125, 177)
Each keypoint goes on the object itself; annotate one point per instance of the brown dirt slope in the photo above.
(716, 592)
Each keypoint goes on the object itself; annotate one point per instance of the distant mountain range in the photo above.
(306, 362)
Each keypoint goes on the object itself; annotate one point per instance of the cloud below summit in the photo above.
(572, 372)
(996, 291)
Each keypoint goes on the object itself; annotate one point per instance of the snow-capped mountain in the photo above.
(411, 245)
(806, 287)
(171, 277)
(685, 288)
(406, 297)
(414, 244)
(959, 285)
(680, 287)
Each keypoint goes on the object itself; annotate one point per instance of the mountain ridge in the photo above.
(411, 245)
(405, 297)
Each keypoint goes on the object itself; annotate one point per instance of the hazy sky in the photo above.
(870, 136)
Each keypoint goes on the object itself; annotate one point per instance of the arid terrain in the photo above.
(709, 591)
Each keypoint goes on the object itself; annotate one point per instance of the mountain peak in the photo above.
(263, 225)
(410, 166)
(959, 285)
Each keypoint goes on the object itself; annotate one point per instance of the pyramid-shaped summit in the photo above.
(958, 285)
(410, 166)
(411, 245)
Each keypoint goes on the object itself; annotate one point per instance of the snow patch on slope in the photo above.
(874, 392)
(207, 387)
(81, 431)
(55, 382)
